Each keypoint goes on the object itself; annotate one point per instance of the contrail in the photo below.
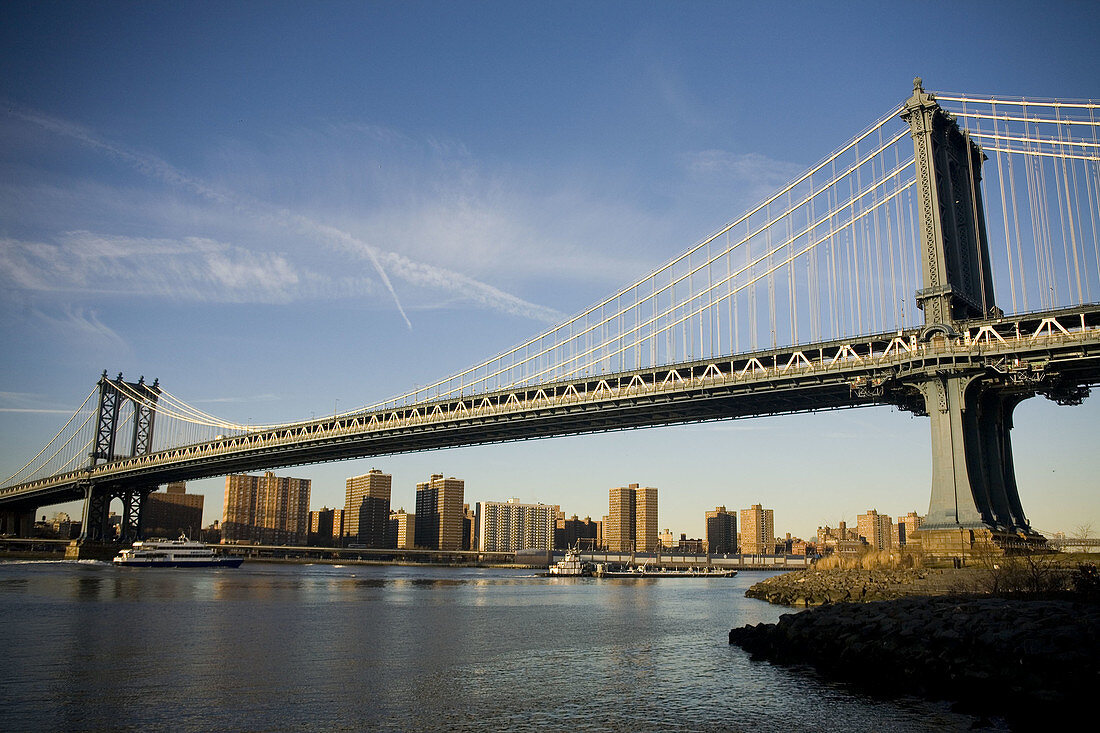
(411, 271)
(157, 168)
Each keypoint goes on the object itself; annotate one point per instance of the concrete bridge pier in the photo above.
(18, 522)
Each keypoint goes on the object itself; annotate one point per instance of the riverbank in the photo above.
(14, 556)
(1030, 659)
(816, 587)
(1028, 662)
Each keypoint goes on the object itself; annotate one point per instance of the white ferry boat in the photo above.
(179, 553)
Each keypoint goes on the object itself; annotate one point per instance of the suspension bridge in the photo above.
(987, 210)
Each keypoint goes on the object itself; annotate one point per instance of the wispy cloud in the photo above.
(186, 269)
(30, 403)
(35, 411)
(754, 174)
(414, 272)
(82, 324)
(266, 397)
(673, 92)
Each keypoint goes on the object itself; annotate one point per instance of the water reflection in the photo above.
(402, 648)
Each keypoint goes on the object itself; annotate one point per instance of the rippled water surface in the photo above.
(306, 647)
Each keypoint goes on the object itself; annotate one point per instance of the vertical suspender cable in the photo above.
(1069, 210)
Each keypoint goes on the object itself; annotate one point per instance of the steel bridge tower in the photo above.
(974, 492)
(109, 445)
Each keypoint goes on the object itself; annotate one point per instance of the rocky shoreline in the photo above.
(817, 587)
(1030, 662)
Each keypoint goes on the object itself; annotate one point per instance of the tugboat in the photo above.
(179, 553)
(571, 566)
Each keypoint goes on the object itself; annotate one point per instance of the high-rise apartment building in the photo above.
(510, 526)
(645, 519)
(172, 512)
(367, 508)
(268, 509)
(619, 526)
(402, 530)
(876, 529)
(469, 528)
(757, 530)
(721, 531)
(577, 533)
(326, 527)
(904, 528)
(439, 514)
(632, 519)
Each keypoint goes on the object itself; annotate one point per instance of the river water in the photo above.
(271, 647)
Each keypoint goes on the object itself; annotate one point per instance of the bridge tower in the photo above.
(974, 493)
(114, 394)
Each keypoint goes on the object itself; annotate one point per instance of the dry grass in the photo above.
(1035, 575)
(870, 560)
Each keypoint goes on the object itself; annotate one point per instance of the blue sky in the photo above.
(207, 193)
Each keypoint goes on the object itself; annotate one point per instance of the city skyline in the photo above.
(237, 234)
(615, 495)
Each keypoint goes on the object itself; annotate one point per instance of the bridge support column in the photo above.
(958, 498)
(133, 511)
(97, 510)
(975, 498)
(17, 522)
(95, 526)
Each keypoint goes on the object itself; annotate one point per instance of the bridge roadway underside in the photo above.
(1026, 354)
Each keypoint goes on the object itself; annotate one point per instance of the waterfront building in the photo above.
(469, 528)
(439, 513)
(632, 519)
(326, 527)
(645, 519)
(172, 512)
(620, 520)
(841, 540)
(721, 531)
(63, 527)
(510, 526)
(875, 529)
(577, 533)
(367, 508)
(686, 546)
(268, 509)
(667, 540)
(904, 528)
(212, 533)
(402, 530)
(757, 530)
